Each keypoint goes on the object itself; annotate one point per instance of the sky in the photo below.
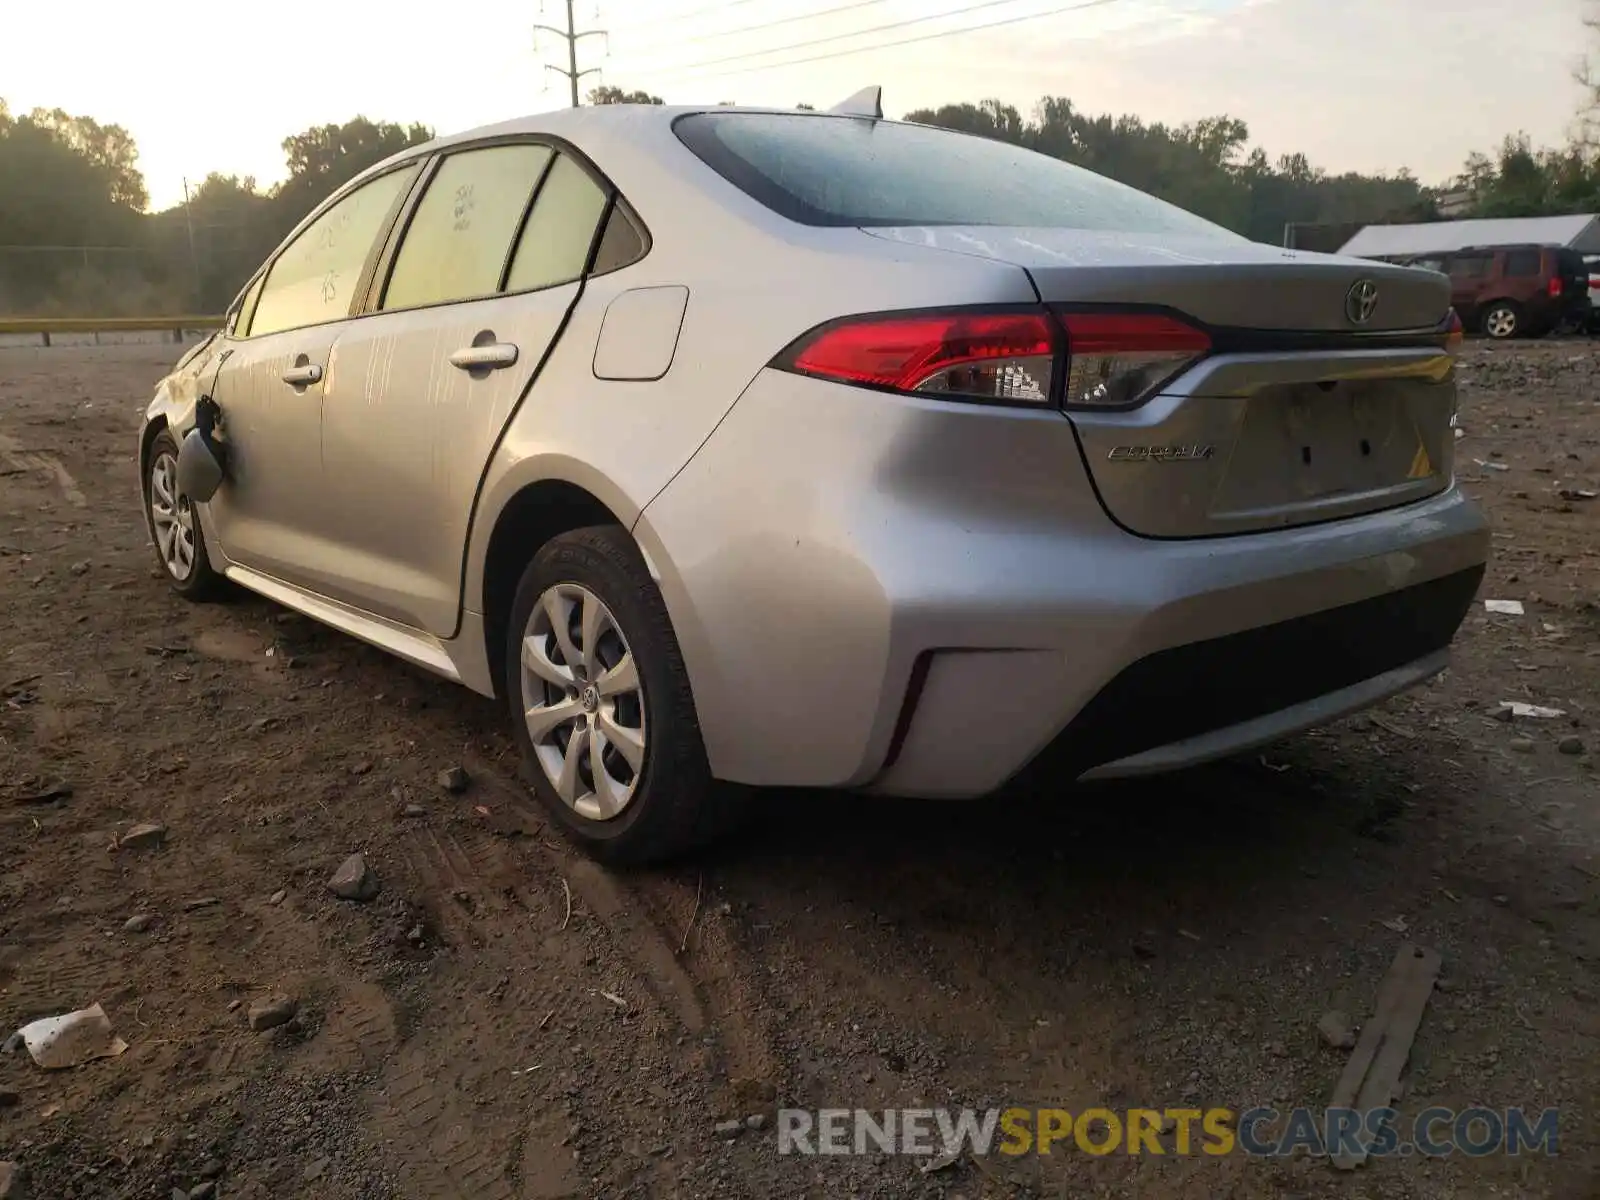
(1363, 85)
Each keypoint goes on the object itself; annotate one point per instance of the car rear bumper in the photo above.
(921, 597)
(1205, 699)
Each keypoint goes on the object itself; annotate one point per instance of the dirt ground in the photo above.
(507, 1020)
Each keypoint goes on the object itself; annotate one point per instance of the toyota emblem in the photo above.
(1360, 301)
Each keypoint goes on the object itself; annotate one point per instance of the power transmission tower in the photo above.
(571, 34)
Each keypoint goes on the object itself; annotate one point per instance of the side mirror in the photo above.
(201, 458)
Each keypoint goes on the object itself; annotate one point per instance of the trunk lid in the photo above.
(1299, 415)
(1218, 281)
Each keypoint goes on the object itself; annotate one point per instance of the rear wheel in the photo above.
(175, 526)
(600, 702)
(1502, 320)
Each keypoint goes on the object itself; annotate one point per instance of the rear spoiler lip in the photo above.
(1257, 341)
(1233, 339)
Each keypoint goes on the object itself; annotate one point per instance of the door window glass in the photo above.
(240, 326)
(1522, 264)
(621, 244)
(1470, 266)
(315, 277)
(457, 242)
(555, 243)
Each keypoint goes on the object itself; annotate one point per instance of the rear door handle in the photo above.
(303, 374)
(485, 358)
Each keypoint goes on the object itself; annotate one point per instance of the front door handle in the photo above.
(303, 374)
(485, 358)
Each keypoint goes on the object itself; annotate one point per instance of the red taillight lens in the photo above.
(1555, 286)
(1116, 359)
(1454, 335)
(988, 356)
(1113, 359)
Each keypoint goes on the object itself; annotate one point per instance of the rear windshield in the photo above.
(822, 170)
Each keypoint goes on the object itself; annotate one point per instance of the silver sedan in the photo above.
(820, 450)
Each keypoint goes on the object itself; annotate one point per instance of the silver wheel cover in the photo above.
(172, 517)
(583, 701)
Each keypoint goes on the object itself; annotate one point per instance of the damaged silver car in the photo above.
(818, 450)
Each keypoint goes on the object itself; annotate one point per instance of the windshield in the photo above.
(822, 170)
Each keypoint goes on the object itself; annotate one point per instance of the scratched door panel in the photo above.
(405, 436)
(267, 515)
(418, 393)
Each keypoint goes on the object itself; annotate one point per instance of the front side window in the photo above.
(554, 247)
(239, 323)
(457, 242)
(315, 277)
(842, 171)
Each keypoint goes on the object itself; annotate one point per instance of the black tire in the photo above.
(675, 805)
(1505, 316)
(202, 582)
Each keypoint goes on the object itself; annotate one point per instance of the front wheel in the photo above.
(601, 705)
(175, 525)
(1502, 320)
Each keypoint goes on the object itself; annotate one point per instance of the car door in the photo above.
(272, 378)
(1469, 273)
(485, 268)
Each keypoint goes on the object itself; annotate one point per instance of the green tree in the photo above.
(615, 95)
(109, 148)
(324, 157)
(991, 119)
(69, 188)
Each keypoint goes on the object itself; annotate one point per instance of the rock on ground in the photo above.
(354, 880)
(146, 833)
(1336, 1030)
(271, 1011)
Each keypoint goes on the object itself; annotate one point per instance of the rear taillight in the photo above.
(1116, 360)
(1007, 356)
(1110, 359)
(1555, 286)
(1454, 334)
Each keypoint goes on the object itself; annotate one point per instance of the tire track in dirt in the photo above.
(701, 977)
(49, 465)
(450, 1152)
(450, 1155)
(724, 975)
(360, 1032)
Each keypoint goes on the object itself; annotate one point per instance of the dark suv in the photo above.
(1514, 291)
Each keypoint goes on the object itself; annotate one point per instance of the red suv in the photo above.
(1514, 291)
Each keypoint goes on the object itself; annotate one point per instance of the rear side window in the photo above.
(1471, 266)
(840, 171)
(620, 245)
(554, 246)
(1523, 264)
(314, 278)
(457, 241)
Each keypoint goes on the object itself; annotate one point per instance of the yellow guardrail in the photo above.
(45, 326)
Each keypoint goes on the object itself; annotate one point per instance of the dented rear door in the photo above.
(420, 390)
